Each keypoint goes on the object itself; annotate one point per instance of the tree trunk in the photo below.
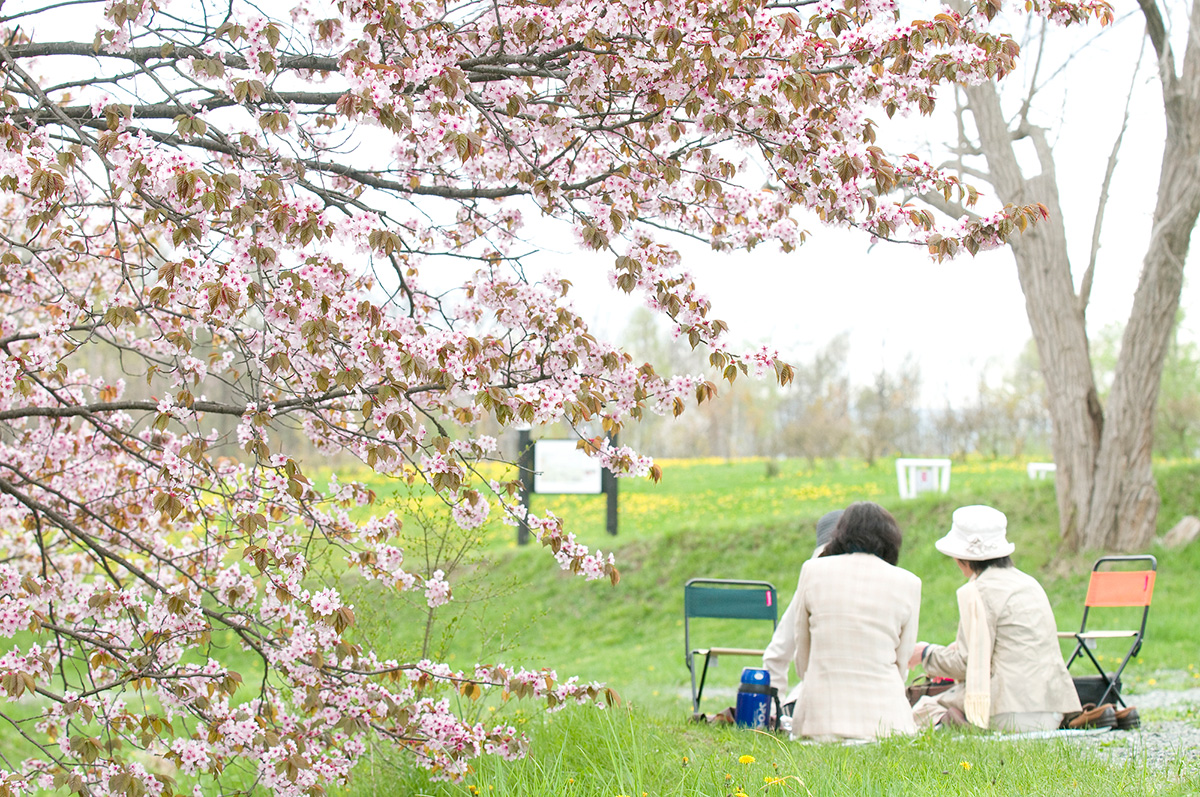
(1055, 317)
(1107, 496)
(1125, 501)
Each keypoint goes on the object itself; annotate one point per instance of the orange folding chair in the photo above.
(1113, 589)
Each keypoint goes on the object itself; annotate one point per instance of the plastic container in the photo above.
(753, 698)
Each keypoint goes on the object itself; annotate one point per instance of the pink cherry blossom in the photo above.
(232, 254)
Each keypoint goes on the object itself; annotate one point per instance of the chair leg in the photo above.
(1137, 645)
(691, 663)
(1110, 684)
(1075, 653)
(699, 693)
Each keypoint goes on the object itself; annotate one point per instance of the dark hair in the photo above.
(866, 527)
(979, 567)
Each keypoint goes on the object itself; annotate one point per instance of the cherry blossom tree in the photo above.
(230, 216)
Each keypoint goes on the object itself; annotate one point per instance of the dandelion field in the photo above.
(755, 519)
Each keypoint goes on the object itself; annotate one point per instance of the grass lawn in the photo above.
(755, 519)
(633, 753)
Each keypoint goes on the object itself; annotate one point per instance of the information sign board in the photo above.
(560, 467)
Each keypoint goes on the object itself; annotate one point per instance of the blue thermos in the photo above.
(753, 698)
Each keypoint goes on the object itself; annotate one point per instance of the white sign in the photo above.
(1040, 470)
(916, 476)
(560, 467)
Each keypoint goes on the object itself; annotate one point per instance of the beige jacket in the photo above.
(856, 625)
(1027, 669)
(781, 652)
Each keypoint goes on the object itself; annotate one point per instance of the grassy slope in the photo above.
(735, 521)
(732, 521)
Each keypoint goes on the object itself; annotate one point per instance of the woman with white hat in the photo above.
(1006, 660)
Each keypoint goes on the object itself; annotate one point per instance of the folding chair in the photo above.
(1109, 589)
(727, 599)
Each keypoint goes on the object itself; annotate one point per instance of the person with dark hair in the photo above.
(855, 627)
(872, 530)
(1006, 660)
(778, 657)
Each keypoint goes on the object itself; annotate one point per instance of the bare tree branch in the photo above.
(1085, 287)
(1157, 32)
(955, 210)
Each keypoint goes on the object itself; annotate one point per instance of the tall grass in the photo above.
(634, 753)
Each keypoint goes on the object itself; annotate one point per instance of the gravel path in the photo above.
(1168, 739)
(1166, 743)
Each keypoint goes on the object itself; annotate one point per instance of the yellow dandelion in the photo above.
(1152, 681)
(965, 765)
(685, 760)
(779, 781)
(746, 759)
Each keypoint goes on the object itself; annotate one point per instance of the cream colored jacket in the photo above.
(1027, 669)
(781, 652)
(855, 628)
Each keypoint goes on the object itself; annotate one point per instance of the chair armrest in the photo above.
(727, 652)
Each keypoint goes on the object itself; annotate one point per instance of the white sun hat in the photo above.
(977, 533)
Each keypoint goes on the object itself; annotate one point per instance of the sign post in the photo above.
(525, 468)
(608, 484)
(559, 467)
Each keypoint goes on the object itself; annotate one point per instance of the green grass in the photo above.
(631, 635)
(744, 519)
(754, 519)
(635, 753)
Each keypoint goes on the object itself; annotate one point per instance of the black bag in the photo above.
(926, 686)
(1091, 688)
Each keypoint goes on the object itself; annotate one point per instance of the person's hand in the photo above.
(918, 652)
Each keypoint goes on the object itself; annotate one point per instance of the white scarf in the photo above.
(977, 704)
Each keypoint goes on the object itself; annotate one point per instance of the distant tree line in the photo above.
(822, 414)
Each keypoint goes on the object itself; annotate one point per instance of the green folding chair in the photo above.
(729, 599)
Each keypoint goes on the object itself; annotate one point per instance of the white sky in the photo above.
(959, 317)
